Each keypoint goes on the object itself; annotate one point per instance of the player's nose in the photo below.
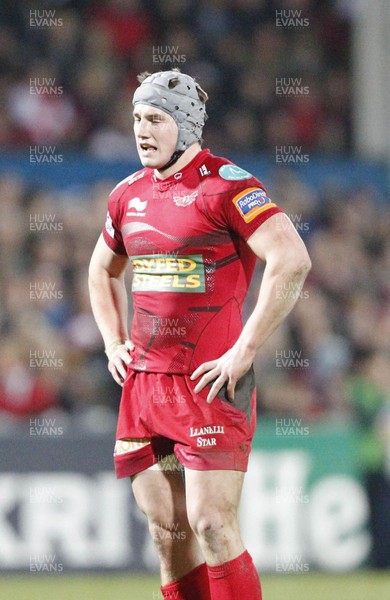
(143, 130)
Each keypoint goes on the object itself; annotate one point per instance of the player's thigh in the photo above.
(213, 497)
(160, 495)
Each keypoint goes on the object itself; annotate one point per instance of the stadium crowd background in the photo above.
(233, 46)
(335, 344)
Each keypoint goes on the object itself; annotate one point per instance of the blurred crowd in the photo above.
(277, 72)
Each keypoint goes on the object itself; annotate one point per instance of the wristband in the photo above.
(111, 348)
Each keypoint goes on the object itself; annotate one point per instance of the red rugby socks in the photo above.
(235, 580)
(193, 586)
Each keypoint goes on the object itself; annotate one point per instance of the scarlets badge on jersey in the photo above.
(251, 202)
(233, 173)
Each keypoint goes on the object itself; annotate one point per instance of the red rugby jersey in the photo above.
(186, 239)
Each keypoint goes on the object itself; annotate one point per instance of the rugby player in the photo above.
(192, 225)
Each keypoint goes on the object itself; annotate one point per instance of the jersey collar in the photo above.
(179, 176)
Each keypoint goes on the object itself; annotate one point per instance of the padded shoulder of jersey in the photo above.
(224, 176)
(125, 183)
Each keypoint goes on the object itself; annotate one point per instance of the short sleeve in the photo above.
(247, 208)
(111, 230)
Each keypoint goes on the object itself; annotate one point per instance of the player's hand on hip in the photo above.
(229, 368)
(119, 358)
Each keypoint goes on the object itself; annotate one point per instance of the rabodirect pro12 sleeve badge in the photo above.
(251, 202)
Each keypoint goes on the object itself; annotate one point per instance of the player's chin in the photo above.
(152, 162)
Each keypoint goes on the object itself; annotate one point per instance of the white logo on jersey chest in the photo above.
(136, 207)
(185, 200)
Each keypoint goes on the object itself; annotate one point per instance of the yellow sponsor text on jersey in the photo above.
(168, 273)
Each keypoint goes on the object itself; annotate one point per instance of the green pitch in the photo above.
(366, 585)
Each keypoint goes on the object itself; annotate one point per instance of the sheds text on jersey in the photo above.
(186, 239)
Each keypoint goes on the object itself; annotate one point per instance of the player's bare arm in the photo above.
(287, 264)
(109, 305)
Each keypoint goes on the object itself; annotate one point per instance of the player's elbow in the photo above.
(301, 264)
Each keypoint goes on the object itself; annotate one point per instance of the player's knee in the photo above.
(165, 534)
(209, 527)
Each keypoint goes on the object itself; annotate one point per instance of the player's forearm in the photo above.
(279, 291)
(109, 306)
